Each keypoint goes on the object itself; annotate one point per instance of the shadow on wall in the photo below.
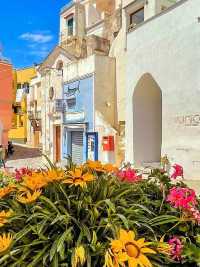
(147, 121)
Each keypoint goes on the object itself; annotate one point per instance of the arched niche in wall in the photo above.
(147, 121)
(59, 65)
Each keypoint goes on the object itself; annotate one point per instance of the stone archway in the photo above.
(147, 121)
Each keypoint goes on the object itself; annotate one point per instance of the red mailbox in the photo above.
(108, 143)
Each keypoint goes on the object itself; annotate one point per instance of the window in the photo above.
(19, 86)
(21, 121)
(71, 103)
(26, 87)
(137, 17)
(70, 26)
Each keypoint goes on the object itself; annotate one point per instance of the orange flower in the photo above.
(77, 177)
(34, 182)
(4, 217)
(95, 165)
(6, 190)
(54, 175)
(99, 167)
(110, 168)
(27, 197)
(5, 242)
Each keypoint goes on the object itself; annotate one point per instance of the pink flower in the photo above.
(194, 213)
(182, 198)
(176, 248)
(178, 171)
(186, 200)
(19, 173)
(129, 175)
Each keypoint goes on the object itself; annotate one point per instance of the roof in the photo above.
(50, 59)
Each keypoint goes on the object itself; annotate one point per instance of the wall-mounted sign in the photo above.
(92, 146)
(72, 90)
(188, 120)
(74, 117)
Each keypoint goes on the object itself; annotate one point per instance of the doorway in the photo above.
(58, 143)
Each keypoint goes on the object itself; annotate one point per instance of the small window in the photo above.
(17, 110)
(19, 86)
(21, 121)
(70, 26)
(71, 103)
(26, 88)
(137, 17)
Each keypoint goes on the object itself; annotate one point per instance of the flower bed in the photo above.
(95, 215)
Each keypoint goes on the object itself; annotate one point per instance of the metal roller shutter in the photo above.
(77, 147)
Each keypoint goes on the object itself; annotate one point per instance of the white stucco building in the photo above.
(163, 88)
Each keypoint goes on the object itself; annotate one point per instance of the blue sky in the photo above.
(29, 29)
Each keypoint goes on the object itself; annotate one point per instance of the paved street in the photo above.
(25, 157)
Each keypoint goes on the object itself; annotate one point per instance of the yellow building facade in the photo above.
(21, 81)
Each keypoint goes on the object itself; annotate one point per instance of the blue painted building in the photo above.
(78, 120)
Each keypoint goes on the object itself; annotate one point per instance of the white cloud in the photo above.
(36, 37)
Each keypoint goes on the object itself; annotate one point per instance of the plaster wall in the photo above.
(167, 47)
(6, 96)
(49, 117)
(105, 103)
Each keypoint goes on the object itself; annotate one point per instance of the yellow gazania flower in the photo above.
(5, 242)
(79, 257)
(77, 177)
(99, 167)
(54, 175)
(163, 247)
(126, 248)
(27, 197)
(35, 181)
(4, 217)
(95, 165)
(109, 168)
(6, 190)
